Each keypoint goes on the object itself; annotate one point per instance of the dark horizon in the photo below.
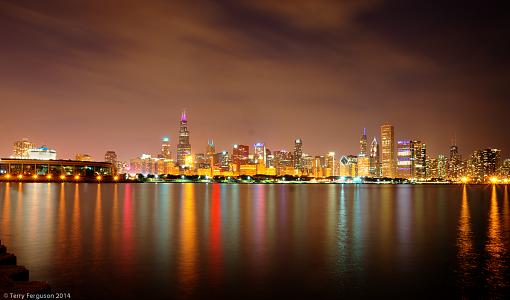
(87, 77)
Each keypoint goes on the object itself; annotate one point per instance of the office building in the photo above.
(20, 149)
(387, 151)
(298, 154)
(363, 144)
(375, 170)
(165, 148)
(184, 146)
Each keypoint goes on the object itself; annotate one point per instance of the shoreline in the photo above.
(243, 182)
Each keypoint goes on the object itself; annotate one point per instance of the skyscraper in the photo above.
(441, 166)
(404, 159)
(298, 154)
(259, 151)
(210, 151)
(454, 163)
(388, 151)
(184, 147)
(330, 165)
(240, 154)
(375, 170)
(490, 162)
(363, 144)
(111, 157)
(283, 161)
(165, 148)
(411, 159)
(419, 159)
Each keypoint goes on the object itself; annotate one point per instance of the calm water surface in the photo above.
(134, 241)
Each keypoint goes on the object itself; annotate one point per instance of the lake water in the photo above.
(207, 241)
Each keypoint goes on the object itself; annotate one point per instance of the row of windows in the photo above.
(56, 170)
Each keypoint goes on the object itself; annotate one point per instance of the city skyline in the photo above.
(171, 145)
(252, 70)
(396, 158)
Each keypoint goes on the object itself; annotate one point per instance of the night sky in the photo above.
(90, 76)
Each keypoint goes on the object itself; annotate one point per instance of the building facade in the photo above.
(20, 149)
(184, 146)
(387, 151)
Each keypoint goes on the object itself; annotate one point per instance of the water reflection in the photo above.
(187, 268)
(6, 208)
(215, 240)
(465, 252)
(495, 248)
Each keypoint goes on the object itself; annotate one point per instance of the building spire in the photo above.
(184, 118)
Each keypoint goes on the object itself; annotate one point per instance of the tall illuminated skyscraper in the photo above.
(165, 148)
(387, 151)
(454, 163)
(363, 144)
(184, 147)
(330, 164)
(210, 150)
(375, 170)
(259, 152)
(298, 154)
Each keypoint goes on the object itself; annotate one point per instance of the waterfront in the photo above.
(132, 241)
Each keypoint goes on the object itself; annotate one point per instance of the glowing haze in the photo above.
(92, 76)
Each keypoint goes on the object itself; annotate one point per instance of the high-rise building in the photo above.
(259, 152)
(20, 149)
(221, 160)
(387, 151)
(411, 159)
(42, 153)
(363, 144)
(330, 165)
(363, 165)
(240, 154)
(283, 162)
(111, 157)
(505, 168)
(165, 148)
(432, 164)
(201, 161)
(298, 154)
(184, 147)
(317, 167)
(144, 164)
(404, 159)
(490, 162)
(454, 163)
(210, 150)
(442, 166)
(483, 164)
(374, 159)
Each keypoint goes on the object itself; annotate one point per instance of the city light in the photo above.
(98, 177)
(506, 181)
(48, 176)
(464, 179)
(62, 177)
(76, 177)
(115, 177)
(7, 176)
(20, 176)
(494, 179)
(34, 176)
